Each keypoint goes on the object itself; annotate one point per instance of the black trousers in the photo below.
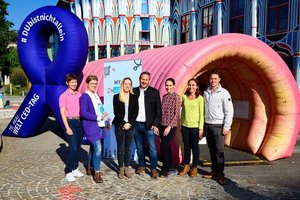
(165, 147)
(124, 142)
(215, 142)
(190, 138)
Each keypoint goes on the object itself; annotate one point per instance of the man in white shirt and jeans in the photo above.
(218, 119)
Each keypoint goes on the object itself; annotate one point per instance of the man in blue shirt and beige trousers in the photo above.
(218, 119)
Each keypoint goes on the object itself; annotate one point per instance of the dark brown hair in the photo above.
(145, 73)
(170, 79)
(197, 93)
(70, 77)
(215, 71)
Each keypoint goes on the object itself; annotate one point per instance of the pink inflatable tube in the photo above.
(252, 72)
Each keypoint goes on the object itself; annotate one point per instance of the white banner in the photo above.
(114, 72)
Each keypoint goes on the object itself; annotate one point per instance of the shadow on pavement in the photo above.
(240, 192)
(53, 126)
(63, 152)
(111, 164)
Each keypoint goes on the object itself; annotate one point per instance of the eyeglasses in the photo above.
(93, 83)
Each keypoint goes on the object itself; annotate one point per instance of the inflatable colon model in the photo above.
(265, 95)
(264, 92)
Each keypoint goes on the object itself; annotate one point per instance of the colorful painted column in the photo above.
(76, 8)
(151, 22)
(296, 61)
(166, 23)
(108, 23)
(219, 5)
(96, 26)
(122, 15)
(193, 21)
(254, 18)
(137, 21)
(85, 5)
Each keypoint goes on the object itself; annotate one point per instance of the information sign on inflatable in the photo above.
(47, 77)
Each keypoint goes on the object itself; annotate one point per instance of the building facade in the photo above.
(118, 27)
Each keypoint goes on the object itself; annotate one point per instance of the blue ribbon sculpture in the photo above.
(47, 77)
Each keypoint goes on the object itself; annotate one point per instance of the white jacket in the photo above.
(218, 107)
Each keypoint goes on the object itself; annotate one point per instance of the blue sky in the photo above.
(18, 10)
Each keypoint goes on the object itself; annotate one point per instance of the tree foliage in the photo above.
(18, 77)
(6, 36)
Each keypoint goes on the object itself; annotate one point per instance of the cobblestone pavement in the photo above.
(33, 168)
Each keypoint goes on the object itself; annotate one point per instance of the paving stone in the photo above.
(33, 168)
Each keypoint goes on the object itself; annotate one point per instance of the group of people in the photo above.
(141, 116)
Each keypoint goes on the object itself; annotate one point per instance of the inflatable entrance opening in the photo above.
(264, 92)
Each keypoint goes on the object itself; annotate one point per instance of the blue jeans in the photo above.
(139, 135)
(94, 156)
(74, 142)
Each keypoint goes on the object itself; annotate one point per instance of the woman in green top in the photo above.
(192, 120)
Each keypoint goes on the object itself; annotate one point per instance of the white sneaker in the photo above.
(69, 177)
(77, 173)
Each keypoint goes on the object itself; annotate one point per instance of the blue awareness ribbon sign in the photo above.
(47, 77)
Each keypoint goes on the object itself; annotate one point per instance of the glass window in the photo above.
(185, 21)
(207, 21)
(277, 21)
(185, 6)
(237, 9)
(145, 24)
(145, 36)
(145, 7)
(145, 32)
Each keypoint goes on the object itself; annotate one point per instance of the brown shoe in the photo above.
(121, 173)
(140, 170)
(210, 175)
(97, 177)
(194, 172)
(127, 172)
(90, 171)
(154, 173)
(185, 170)
(164, 174)
(221, 180)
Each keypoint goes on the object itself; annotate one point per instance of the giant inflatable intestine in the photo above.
(262, 87)
(254, 74)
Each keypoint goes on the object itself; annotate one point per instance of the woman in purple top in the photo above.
(168, 124)
(69, 110)
(92, 116)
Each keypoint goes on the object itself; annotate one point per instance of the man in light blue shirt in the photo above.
(217, 122)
